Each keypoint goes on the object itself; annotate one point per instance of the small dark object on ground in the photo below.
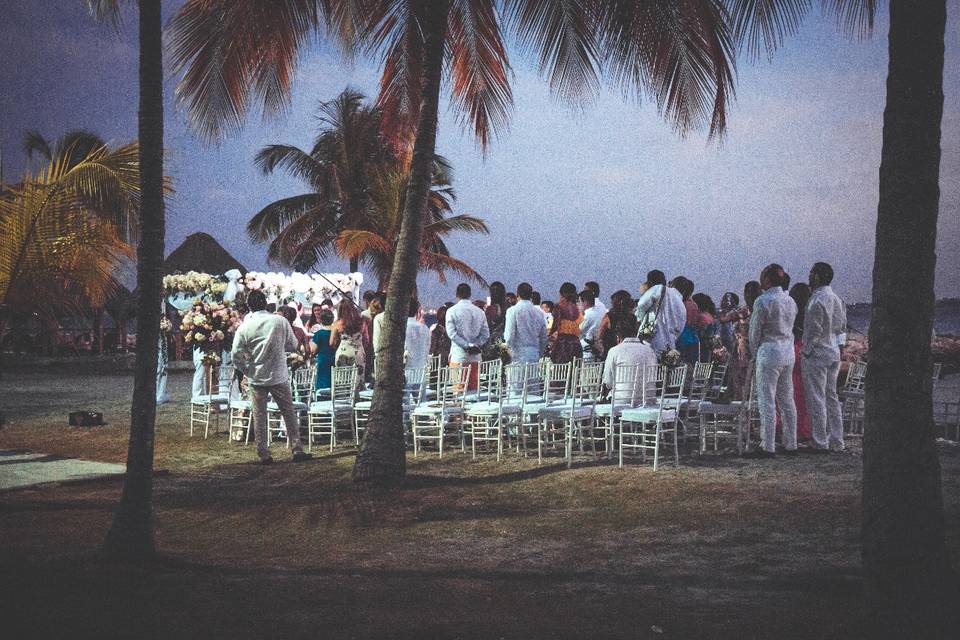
(302, 456)
(759, 454)
(86, 419)
(266, 460)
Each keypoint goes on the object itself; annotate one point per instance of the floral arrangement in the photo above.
(210, 326)
(193, 283)
(670, 358)
(165, 325)
(210, 359)
(307, 288)
(295, 360)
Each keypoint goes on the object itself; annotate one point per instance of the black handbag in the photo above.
(648, 328)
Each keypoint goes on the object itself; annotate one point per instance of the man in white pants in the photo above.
(824, 322)
(260, 352)
(771, 338)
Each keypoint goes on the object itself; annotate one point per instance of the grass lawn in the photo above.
(721, 547)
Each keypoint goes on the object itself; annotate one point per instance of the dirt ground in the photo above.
(721, 547)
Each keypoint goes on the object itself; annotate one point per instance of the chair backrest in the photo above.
(700, 380)
(414, 384)
(718, 379)
(672, 388)
(627, 388)
(452, 385)
(556, 381)
(586, 386)
(489, 378)
(856, 376)
(654, 379)
(937, 367)
(302, 381)
(343, 386)
(514, 382)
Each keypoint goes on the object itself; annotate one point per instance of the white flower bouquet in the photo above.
(210, 326)
(295, 360)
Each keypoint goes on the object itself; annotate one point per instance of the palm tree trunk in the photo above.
(382, 458)
(904, 556)
(131, 535)
(354, 265)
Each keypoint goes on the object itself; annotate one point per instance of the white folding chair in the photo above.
(646, 428)
(325, 416)
(573, 418)
(627, 392)
(489, 376)
(699, 386)
(216, 397)
(442, 417)
(852, 397)
(486, 421)
(414, 389)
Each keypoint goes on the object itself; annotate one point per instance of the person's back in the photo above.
(825, 321)
(261, 344)
(525, 331)
(772, 322)
(631, 351)
(417, 340)
(466, 325)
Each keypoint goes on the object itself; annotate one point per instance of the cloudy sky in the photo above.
(604, 191)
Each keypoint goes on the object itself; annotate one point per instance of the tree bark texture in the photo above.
(382, 457)
(131, 534)
(905, 561)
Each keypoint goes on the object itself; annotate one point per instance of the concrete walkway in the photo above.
(23, 469)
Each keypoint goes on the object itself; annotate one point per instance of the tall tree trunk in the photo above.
(98, 329)
(904, 556)
(354, 265)
(131, 535)
(382, 458)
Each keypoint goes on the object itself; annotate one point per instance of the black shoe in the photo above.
(302, 456)
(759, 454)
(267, 460)
(790, 452)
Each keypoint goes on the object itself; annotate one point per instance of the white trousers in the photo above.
(199, 374)
(823, 405)
(774, 382)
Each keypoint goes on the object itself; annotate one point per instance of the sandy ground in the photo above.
(720, 547)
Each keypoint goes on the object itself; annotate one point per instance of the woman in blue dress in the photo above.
(320, 345)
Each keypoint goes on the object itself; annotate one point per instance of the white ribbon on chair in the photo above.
(233, 286)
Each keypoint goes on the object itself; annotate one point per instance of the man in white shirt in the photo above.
(417, 342)
(468, 332)
(590, 325)
(629, 350)
(260, 350)
(771, 338)
(824, 322)
(672, 315)
(525, 331)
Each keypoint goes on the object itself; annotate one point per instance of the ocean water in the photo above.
(946, 319)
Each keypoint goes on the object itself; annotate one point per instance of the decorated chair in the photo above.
(650, 427)
(442, 417)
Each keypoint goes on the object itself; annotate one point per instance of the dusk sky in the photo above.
(604, 191)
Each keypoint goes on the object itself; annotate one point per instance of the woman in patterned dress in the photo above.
(566, 326)
(741, 357)
(348, 330)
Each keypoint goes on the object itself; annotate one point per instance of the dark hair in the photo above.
(549, 304)
(524, 291)
(705, 303)
(464, 291)
(620, 301)
(256, 300)
(684, 286)
(588, 296)
(732, 297)
(786, 281)
(626, 327)
(326, 316)
(272, 307)
(289, 313)
(442, 315)
(314, 316)
(823, 271)
(774, 273)
(327, 302)
(751, 291)
(498, 293)
(656, 277)
(369, 295)
(352, 322)
(593, 286)
(535, 297)
(413, 308)
(568, 291)
(800, 293)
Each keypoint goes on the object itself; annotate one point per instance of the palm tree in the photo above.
(910, 584)
(346, 154)
(679, 52)
(131, 534)
(59, 245)
(377, 244)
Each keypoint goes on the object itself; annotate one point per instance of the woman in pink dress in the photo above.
(800, 293)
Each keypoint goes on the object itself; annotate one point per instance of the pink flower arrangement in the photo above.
(210, 326)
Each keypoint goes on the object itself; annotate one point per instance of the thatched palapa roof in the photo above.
(200, 252)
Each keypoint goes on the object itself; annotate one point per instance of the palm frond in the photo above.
(270, 220)
(106, 12)
(679, 51)
(356, 243)
(462, 222)
(762, 25)
(297, 162)
(399, 99)
(439, 264)
(231, 51)
(34, 142)
(563, 36)
(854, 17)
(479, 68)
